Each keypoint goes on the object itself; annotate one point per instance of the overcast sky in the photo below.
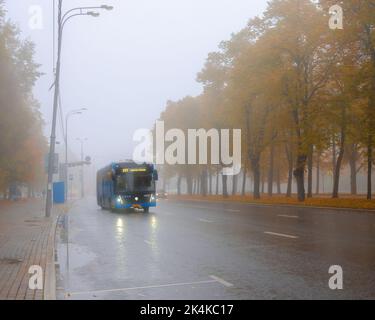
(125, 65)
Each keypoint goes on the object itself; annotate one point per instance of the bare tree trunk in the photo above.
(204, 186)
(353, 156)
(334, 153)
(290, 171)
(256, 173)
(217, 182)
(234, 184)
(225, 186)
(189, 182)
(210, 181)
(244, 181)
(179, 185)
(317, 174)
(299, 174)
(278, 183)
(270, 171)
(369, 44)
(369, 168)
(263, 183)
(309, 171)
(336, 175)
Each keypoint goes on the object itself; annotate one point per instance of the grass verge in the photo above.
(321, 201)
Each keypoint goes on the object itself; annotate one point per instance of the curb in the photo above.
(50, 273)
(253, 204)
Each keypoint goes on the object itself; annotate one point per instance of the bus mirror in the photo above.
(155, 175)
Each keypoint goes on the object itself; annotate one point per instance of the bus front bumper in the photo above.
(134, 205)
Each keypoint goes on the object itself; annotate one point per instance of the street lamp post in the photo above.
(71, 113)
(62, 19)
(82, 141)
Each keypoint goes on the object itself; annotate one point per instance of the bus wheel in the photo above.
(146, 210)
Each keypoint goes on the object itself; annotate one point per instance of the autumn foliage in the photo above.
(22, 144)
(302, 93)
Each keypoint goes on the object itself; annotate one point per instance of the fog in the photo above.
(125, 65)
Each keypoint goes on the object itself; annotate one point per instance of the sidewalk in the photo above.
(26, 239)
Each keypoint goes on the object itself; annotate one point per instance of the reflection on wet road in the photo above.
(201, 250)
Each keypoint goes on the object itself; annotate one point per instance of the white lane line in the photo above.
(140, 288)
(204, 220)
(209, 208)
(281, 235)
(204, 208)
(287, 216)
(197, 207)
(222, 281)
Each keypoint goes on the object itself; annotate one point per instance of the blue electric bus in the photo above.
(127, 185)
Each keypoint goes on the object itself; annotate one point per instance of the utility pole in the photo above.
(53, 129)
(82, 167)
(62, 19)
(71, 113)
(82, 141)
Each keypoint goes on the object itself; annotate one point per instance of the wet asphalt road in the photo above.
(203, 250)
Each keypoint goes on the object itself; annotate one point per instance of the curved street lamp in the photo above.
(62, 19)
(81, 9)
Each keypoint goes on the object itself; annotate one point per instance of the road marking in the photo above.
(209, 208)
(280, 205)
(222, 281)
(204, 220)
(197, 207)
(204, 208)
(144, 287)
(281, 235)
(148, 242)
(287, 216)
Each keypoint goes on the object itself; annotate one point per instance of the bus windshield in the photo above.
(131, 182)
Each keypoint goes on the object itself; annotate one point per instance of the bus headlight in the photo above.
(119, 200)
(152, 198)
